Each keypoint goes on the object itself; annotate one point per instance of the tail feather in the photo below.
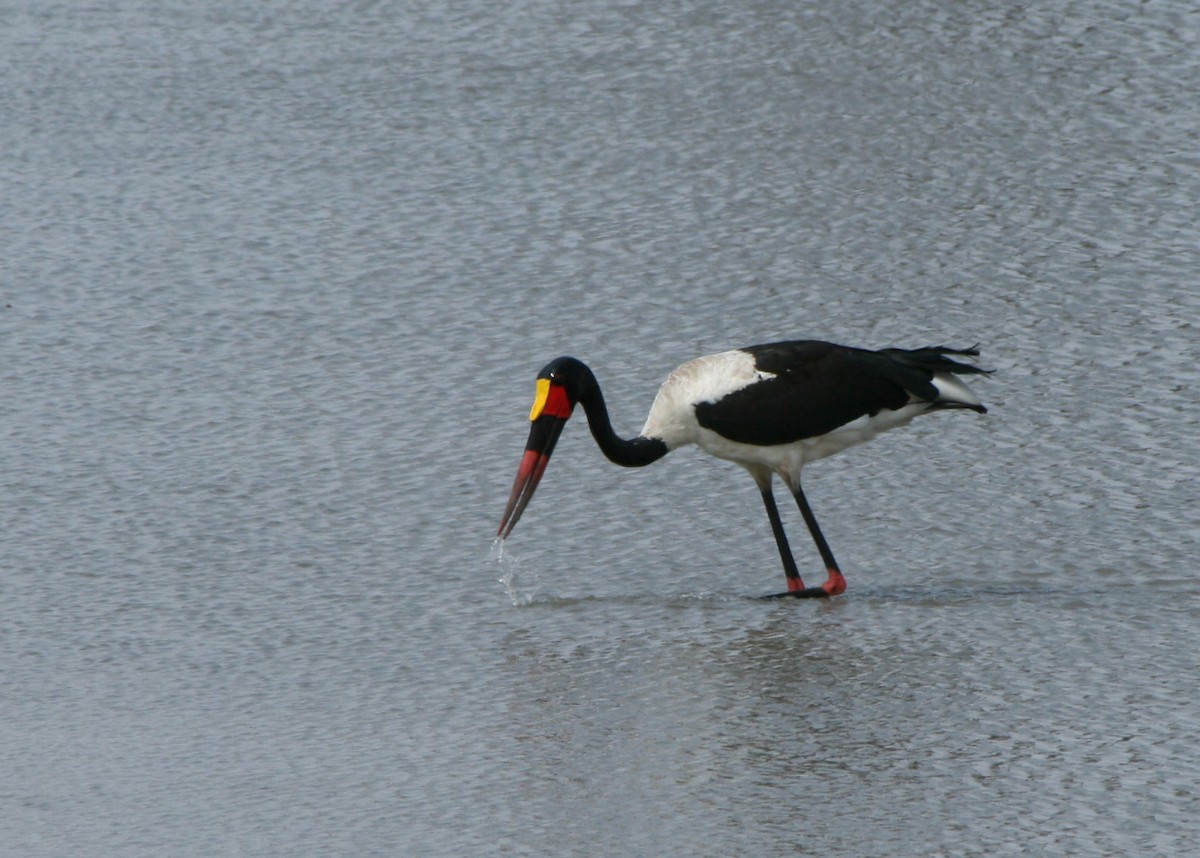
(943, 404)
(933, 359)
(933, 375)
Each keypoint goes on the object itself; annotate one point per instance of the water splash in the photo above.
(520, 585)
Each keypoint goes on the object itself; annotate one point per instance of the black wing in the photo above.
(819, 386)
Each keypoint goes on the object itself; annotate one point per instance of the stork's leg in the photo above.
(796, 588)
(835, 584)
(795, 585)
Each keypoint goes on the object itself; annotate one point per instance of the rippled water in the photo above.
(276, 283)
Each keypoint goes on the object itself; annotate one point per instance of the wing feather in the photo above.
(816, 387)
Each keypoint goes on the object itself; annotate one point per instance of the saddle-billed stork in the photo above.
(770, 408)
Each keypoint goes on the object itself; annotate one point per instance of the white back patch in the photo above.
(672, 416)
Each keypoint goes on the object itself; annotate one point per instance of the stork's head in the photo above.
(560, 385)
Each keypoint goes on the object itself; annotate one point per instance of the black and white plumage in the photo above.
(771, 408)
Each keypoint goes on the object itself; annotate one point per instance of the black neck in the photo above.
(632, 452)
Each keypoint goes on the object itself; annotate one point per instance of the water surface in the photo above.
(276, 284)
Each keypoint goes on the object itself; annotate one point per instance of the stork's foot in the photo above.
(834, 586)
(806, 593)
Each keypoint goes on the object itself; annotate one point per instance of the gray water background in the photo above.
(277, 277)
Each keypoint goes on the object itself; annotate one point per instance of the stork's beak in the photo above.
(551, 408)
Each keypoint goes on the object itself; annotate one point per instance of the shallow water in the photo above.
(277, 281)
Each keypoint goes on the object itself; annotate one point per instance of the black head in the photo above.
(560, 386)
